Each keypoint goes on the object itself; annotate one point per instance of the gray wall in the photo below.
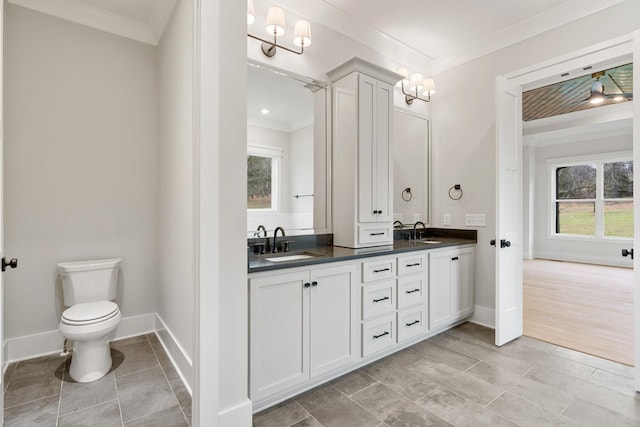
(80, 163)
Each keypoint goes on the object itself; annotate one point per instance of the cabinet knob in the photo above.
(314, 283)
(306, 285)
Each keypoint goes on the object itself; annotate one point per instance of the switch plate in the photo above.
(475, 220)
(446, 219)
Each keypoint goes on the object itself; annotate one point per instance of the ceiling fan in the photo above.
(598, 95)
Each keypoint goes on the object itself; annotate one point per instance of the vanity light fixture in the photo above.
(414, 86)
(276, 27)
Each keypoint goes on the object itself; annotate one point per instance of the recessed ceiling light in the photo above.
(265, 111)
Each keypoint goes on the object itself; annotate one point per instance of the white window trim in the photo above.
(276, 154)
(597, 159)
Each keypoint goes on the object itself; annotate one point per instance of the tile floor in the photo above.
(142, 389)
(460, 378)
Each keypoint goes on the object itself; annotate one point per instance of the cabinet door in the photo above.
(462, 278)
(367, 114)
(383, 172)
(333, 318)
(279, 333)
(440, 290)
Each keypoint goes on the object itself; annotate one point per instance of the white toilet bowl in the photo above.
(91, 326)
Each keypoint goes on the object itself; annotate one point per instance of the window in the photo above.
(263, 169)
(593, 198)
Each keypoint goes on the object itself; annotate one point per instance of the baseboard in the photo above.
(180, 359)
(613, 261)
(239, 415)
(484, 316)
(30, 346)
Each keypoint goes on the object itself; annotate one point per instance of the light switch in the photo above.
(446, 219)
(475, 220)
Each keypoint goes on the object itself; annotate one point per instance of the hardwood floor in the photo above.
(584, 307)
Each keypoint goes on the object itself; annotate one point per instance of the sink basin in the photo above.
(293, 257)
(430, 242)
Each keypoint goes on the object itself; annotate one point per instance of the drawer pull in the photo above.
(413, 265)
(381, 270)
(412, 323)
(380, 299)
(375, 337)
(413, 290)
(455, 258)
(377, 234)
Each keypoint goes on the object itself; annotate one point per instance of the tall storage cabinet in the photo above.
(362, 154)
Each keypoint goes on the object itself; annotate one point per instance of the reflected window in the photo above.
(263, 169)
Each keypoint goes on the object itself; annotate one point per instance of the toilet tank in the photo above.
(89, 281)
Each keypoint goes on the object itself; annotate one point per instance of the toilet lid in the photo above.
(90, 312)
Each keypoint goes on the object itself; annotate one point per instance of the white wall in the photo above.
(463, 114)
(176, 301)
(600, 252)
(80, 163)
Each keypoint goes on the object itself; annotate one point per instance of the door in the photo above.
(333, 321)
(462, 282)
(367, 211)
(383, 173)
(440, 293)
(2, 385)
(279, 338)
(508, 241)
(636, 206)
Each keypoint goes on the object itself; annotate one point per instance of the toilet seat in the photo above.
(90, 313)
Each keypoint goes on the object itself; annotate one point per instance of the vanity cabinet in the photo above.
(394, 306)
(362, 154)
(451, 285)
(303, 323)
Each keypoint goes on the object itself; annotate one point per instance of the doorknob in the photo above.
(13, 263)
(492, 242)
(627, 252)
(504, 243)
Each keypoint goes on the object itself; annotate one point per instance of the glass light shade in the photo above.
(597, 98)
(416, 82)
(429, 87)
(404, 73)
(251, 12)
(275, 21)
(302, 33)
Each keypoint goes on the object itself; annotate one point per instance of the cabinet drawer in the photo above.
(411, 291)
(411, 322)
(410, 264)
(378, 334)
(375, 234)
(378, 298)
(378, 270)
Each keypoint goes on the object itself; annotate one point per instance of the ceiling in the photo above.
(571, 95)
(422, 34)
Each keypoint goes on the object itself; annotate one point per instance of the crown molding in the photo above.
(95, 17)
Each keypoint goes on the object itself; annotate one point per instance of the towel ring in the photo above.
(455, 192)
(406, 194)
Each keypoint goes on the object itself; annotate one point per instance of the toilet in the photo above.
(89, 288)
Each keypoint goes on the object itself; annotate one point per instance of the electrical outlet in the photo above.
(446, 219)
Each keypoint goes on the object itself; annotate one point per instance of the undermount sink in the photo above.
(430, 242)
(293, 257)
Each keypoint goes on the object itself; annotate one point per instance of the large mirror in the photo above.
(287, 153)
(411, 169)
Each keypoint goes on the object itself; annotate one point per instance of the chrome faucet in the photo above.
(415, 231)
(275, 242)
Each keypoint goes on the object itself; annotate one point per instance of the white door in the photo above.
(2, 385)
(508, 241)
(333, 319)
(636, 205)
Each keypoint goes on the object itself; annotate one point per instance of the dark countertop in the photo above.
(326, 254)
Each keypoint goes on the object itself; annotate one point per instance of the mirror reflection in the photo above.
(411, 171)
(284, 128)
